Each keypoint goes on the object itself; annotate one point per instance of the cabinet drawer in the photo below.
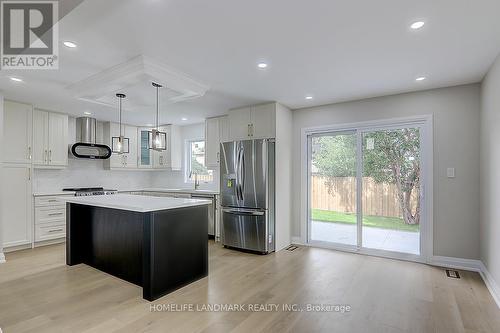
(49, 231)
(49, 214)
(48, 201)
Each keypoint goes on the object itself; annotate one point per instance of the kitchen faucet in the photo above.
(196, 181)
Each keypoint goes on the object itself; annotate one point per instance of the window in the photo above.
(195, 162)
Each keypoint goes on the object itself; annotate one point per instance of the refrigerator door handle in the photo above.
(243, 212)
(242, 173)
(239, 191)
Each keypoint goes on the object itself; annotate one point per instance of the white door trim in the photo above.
(426, 124)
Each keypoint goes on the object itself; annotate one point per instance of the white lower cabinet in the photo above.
(50, 219)
(16, 204)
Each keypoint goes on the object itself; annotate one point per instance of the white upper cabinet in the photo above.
(253, 122)
(176, 148)
(263, 120)
(58, 139)
(17, 131)
(216, 131)
(40, 137)
(161, 159)
(171, 158)
(50, 139)
(125, 160)
(239, 123)
(145, 155)
(131, 157)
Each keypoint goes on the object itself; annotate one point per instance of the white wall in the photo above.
(490, 172)
(284, 123)
(456, 141)
(176, 179)
(2, 257)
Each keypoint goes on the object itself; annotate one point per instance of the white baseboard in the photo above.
(491, 284)
(2, 258)
(457, 263)
(297, 241)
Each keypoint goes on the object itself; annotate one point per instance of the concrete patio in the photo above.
(374, 238)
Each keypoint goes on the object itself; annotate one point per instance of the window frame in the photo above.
(187, 161)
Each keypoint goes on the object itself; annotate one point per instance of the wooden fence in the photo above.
(378, 199)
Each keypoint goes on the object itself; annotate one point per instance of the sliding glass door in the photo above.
(365, 189)
(333, 166)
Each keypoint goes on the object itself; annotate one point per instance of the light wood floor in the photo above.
(39, 293)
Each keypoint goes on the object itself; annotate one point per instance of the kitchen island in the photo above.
(157, 243)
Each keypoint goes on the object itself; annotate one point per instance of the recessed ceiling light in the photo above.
(420, 78)
(184, 119)
(69, 44)
(417, 25)
(262, 65)
(16, 79)
(309, 97)
(87, 113)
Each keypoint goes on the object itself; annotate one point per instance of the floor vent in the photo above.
(452, 274)
(292, 248)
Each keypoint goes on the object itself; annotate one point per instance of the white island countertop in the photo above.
(135, 203)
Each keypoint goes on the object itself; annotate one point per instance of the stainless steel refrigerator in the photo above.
(247, 194)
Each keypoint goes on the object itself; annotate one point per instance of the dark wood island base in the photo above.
(159, 250)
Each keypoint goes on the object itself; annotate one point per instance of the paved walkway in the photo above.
(374, 238)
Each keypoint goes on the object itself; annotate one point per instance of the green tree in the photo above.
(391, 156)
(197, 167)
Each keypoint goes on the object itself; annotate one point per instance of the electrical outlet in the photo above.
(450, 172)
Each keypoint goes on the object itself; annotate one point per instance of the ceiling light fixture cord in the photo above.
(157, 86)
(120, 101)
(120, 97)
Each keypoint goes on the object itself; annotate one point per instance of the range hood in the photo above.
(86, 146)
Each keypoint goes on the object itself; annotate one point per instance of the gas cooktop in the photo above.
(85, 191)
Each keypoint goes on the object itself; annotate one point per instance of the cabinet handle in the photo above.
(29, 173)
(50, 155)
(55, 214)
(29, 153)
(52, 200)
(56, 230)
(45, 155)
(218, 157)
(248, 130)
(251, 128)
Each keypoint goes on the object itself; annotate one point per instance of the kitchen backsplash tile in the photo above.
(88, 173)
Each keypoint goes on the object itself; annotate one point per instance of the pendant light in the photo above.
(157, 139)
(120, 144)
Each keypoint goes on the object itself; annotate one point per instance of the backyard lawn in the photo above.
(369, 221)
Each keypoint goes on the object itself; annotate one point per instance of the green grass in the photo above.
(370, 221)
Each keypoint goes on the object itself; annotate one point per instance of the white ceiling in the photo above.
(335, 50)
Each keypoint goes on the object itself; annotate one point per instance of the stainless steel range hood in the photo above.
(86, 146)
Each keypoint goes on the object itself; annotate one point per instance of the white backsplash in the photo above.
(175, 179)
(89, 173)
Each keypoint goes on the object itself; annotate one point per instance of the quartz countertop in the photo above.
(49, 193)
(136, 203)
(174, 190)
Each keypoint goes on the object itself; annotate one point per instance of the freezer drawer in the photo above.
(246, 229)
